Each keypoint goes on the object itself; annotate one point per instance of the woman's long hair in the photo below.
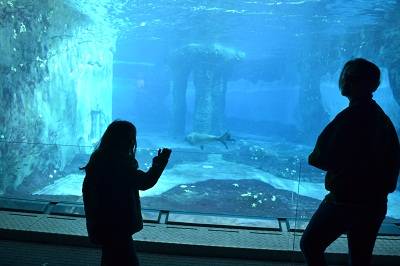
(118, 141)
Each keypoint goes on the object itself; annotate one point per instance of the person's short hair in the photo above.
(363, 75)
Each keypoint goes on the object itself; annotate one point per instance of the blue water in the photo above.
(279, 40)
(274, 53)
(277, 34)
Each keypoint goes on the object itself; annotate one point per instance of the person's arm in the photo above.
(393, 158)
(321, 156)
(331, 150)
(145, 180)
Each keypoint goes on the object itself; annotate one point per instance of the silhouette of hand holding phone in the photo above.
(162, 157)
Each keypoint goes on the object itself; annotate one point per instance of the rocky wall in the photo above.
(55, 88)
(390, 50)
(379, 42)
(312, 117)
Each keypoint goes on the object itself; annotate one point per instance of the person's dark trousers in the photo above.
(361, 223)
(119, 252)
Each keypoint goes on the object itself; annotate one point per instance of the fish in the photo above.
(196, 138)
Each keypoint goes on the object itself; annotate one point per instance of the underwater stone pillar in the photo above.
(179, 86)
(202, 117)
(210, 65)
(210, 73)
(218, 122)
(209, 111)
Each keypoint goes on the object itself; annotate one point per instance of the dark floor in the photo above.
(45, 239)
(14, 253)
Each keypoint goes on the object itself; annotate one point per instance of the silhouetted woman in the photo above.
(111, 192)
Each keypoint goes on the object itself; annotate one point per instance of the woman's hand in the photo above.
(162, 157)
(164, 153)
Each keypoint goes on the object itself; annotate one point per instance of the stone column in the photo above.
(179, 86)
(203, 110)
(210, 65)
(209, 114)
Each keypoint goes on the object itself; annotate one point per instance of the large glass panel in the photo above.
(239, 90)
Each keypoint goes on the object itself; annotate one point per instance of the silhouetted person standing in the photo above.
(111, 193)
(360, 151)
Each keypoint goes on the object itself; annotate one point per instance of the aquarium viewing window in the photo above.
(238, 89)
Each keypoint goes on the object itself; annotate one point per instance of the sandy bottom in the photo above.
(215, 167)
